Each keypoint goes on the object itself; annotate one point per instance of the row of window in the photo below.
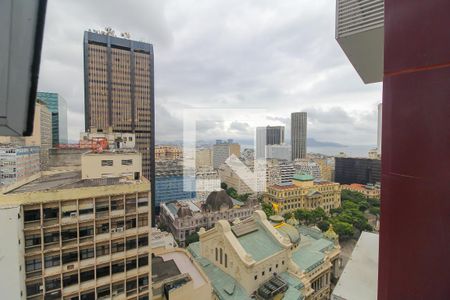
(53, 284)
(49, 213)
(69, 234)
(68, 256)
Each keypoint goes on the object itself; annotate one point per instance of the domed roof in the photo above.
(218, 199)
(303, 177)
(330, 234)
(184, 211)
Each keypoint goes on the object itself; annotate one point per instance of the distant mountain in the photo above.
(314, 143)
(311, 142)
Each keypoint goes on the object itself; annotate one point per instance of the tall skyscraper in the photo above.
(57, 105)
(380, 121)
(298, 134)
(119, 91)
(269, 135)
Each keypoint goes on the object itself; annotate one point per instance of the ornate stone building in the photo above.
(303, 193)
(258, 259)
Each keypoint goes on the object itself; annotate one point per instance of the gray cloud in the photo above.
(280, 56)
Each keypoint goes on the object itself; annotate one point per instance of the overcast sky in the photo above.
(266, 58)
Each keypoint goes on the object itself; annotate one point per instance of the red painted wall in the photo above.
(415, 205)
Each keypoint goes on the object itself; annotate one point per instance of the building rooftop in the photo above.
(65, 180)
(257, 242)
(303, 177)
(359, 279)
(261, 244)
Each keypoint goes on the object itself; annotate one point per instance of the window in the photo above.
(107, 163)
(131, 244)
(221, 255)
(262, 274)
(103, 292)
(102, 228)
(118, 288)
(131, 286)
(32, 215)
(217, 255)
(32, 240)
(69, 257)
(103, 271)
(102, 250)
(143, 241)
(131, 223)
(33, 264)
(118, 267)
(86, 275)
(52, 283)
(256, 277)
(51, 237)
(86, 253)
(143, 220)
(143, 260)
(143, 281)
(127, 162)
(131, 264)
(117, 246)
(86, 231)
(70, 279)
(117, 204)
(69, 234)
(33, 288)
(52, 260)
(51, 213)
(282, 262)
(226, 260)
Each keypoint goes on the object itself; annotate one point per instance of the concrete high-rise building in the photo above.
(308, 166)
(119, 91)
(203, 158)
(57, 105)
(77, 238)
(380, 121)
(269, 135)
(224, 149)
(298, 134)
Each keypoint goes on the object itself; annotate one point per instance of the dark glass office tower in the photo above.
(357, 170)
(119, 91)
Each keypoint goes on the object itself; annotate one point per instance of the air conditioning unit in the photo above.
(115, 293)
(113, 230)
(70, 267)
(41, 287)
(119, 229)
(73, 214)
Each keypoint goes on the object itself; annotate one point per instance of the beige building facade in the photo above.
(168, 152)
(76, 238)
(108, 164)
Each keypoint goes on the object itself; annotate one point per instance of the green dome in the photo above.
(303, 177)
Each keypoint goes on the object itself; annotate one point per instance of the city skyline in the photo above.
(187, 74)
